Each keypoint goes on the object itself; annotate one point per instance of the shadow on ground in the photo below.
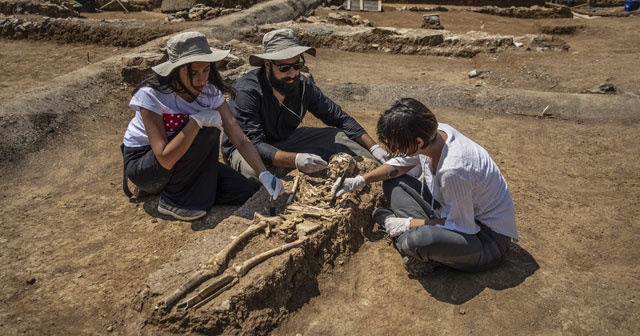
(455, 287)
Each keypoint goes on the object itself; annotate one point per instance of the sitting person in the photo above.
(271, 103)
(458, 213)
(171, 145)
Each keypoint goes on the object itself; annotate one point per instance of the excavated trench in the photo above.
(249, 272)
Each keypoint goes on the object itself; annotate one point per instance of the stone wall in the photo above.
(499, 3)
(51, 8)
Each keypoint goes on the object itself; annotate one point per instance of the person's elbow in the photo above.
(166, 162)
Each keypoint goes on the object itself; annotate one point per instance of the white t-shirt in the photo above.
(174, 110)
(468, 184)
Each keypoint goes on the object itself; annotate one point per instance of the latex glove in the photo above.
(208, 118)
(350, 184)
(310, 163)
(271, 183)
(396, 226)
(379, 153)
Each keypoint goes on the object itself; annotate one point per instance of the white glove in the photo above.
(208, 118)
(271, 183)
(350, 184)
(396, 226)
(379, 153)
(310, 163)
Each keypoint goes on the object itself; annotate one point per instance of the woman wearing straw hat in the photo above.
(271, 103)
(171, 144)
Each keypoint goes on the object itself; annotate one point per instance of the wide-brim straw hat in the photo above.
(280, 44)
(187, 48)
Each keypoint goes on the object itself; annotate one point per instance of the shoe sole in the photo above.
(418, 269)
(176, 216)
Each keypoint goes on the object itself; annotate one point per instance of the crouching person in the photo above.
(171, 146)
(449, 203)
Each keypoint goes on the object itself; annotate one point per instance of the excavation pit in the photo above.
(270, 265)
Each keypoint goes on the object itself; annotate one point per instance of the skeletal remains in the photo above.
(289, 225)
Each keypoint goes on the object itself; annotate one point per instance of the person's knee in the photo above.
(388, 186)
(411, 241)
(206, 137)
(239, 164)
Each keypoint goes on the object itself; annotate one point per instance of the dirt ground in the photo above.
(75, 252)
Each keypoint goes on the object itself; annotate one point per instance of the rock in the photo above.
(431, 21)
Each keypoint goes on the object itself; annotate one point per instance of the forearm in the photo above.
(285, 159)
(415, 222)
(365, 141)
(175, 149)
(385, 172)
(250, 154)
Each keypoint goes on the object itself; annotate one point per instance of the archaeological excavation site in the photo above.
(549, 88)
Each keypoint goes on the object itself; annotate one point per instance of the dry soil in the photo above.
(75, 251)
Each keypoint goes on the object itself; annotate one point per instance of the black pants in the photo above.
(197, 181)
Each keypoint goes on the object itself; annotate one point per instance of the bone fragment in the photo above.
(217, 264)
(242, 268)
(230, 276)
(296, 183)
(221, 282)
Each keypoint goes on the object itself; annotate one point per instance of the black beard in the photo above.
(280, 85)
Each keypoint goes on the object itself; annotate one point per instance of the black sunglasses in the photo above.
(287, 67)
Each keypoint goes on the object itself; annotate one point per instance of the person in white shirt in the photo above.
(171, 146)
(454, 209)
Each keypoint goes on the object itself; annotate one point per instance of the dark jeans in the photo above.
(323, 142)
(197, 181)
(461, 251)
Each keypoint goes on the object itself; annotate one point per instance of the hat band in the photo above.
(280, 47)
(193, 51)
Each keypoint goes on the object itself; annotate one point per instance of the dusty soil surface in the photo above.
(75, 252)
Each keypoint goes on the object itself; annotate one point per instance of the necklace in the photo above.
(291, 111)
(299, 116)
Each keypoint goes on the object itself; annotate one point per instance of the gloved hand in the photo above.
(208, 118)
(379, 153)
(310, 163)
(396, 226)
(271, 183)
(350, 184)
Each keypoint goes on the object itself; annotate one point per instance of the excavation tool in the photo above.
(272, 205)
(340, 184)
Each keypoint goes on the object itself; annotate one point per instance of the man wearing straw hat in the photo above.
(271, 103)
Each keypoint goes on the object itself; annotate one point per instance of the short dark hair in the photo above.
(406, 120)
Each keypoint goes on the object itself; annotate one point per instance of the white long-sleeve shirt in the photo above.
(468, 185)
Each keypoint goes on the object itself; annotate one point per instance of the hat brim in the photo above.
(164, 69)
(256, 60)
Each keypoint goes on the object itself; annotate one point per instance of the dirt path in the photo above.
(75, 251)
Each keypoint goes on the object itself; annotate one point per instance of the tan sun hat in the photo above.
(280, 44)
(187, 48)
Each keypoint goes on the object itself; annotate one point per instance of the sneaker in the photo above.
(417, 268)
(178, 213)
(380, 214)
